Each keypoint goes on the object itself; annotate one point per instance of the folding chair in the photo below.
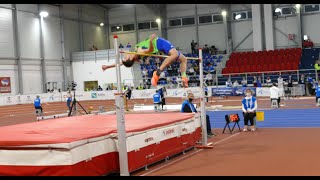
(231, 118)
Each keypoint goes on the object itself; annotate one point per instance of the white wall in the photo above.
(52, 38)
(31, 77)
(182, 37)
(70, 11)
(176, 10)
(240, 7)
(208, 9)
(240, 29)
(55, 73)
(91, 13)
(90, 70)
(310, 28)
(124, 38)
(145, 34)
(93, 34)
(121, 15)
(144, 13)
(287, 25)
(212, 34)
(71, 37)
(29, 34)
(28, 7)
(6, 33)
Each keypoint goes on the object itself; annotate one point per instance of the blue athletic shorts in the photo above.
(165, 46)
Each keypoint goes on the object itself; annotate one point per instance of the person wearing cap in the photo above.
(249, 107)
(37, 103)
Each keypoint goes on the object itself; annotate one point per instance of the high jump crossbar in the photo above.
(155, 55)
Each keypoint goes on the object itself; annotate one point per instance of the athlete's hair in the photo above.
(128, 63)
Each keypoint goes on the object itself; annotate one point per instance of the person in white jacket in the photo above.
(275, 93)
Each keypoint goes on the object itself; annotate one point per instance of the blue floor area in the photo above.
(275, 118)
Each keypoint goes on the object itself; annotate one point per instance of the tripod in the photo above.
(74, 101)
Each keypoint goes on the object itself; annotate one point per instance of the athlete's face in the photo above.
(130, 57)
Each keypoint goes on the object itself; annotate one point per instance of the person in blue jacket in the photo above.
(157, 100)
(37, 104)
(249, 107)
(318, 93)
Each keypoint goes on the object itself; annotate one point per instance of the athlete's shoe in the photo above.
(155, 79)
(185, 82)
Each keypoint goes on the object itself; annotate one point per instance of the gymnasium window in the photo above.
(311, 8)
(128, 27)
(175, 22)
(116, 28)
(205, 19)
(217, 18)
(154, 24)
(188, 21)
(286, 11)
(240, 15)
(144, 25)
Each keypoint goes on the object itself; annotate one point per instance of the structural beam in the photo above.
(17, 46)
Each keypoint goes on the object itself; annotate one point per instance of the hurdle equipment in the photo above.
(274, 103)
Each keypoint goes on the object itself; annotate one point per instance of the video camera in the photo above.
(73, 86)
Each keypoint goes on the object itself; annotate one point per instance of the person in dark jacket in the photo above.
(188, 107)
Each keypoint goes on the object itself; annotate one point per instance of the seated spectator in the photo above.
(170, 70)
(235, 84)
(213, 50)
(205, 49)
(99, 88)
(188, 107)
(228, 83)
(307, 43)
(191, 71)
(128, 45)
(144, 73)
(244, 82)
(211, 69)
(163, 76)
(268, 81)
(275, 93)
(140, 87)
(249, 107)
(259, 83)
(208, 79)
(120, 46)
(255, 81)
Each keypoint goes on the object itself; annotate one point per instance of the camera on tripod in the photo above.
(73, 86)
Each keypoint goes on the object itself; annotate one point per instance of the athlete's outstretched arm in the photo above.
(105, 67)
